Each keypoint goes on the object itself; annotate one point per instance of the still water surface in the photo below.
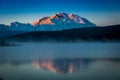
(60, 61)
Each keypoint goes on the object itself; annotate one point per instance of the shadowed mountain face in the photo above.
(110, 33)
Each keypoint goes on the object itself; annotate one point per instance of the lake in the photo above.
(60, 61)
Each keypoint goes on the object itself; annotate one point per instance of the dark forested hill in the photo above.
(109, 33)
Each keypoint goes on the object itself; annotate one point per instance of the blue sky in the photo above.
(100, 12)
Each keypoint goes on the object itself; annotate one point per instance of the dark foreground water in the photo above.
(60, 61)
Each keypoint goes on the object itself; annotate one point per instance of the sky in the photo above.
(100, 12)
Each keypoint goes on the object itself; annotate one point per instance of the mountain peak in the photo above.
(14, 23)
(59, 15)
(48, 20)
(60, 18)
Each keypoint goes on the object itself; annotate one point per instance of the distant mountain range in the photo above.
(59, 21)
(59, 27)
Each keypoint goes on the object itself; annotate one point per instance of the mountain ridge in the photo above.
(59, 21)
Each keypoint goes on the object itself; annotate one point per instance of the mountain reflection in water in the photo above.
(54, 65)
(60, 69)
(62, 65)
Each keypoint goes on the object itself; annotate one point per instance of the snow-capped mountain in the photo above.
(59, 21)
(20, 26)
(63, 21)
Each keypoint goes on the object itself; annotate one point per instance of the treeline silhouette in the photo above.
(108, 33)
